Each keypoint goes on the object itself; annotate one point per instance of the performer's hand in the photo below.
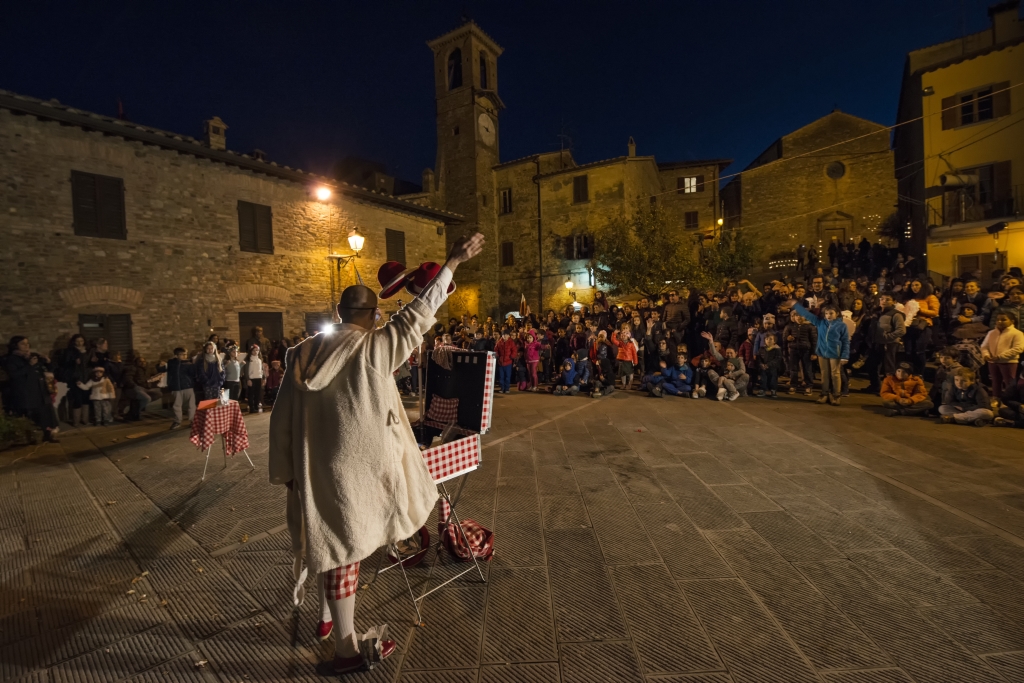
(465, 249)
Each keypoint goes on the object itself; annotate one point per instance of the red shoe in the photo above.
(347, 665)
(324, 629)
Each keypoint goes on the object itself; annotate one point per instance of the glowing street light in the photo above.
(323, 193)
(355, 240)
(568, 283)
(721, 221)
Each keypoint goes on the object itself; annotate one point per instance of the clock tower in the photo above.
(466, 93)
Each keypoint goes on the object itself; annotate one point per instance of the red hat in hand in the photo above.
(391, 276)
(422, 276)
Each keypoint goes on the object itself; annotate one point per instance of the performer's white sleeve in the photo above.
(436, 293)
(389, 346)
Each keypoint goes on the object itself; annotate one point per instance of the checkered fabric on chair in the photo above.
(443, 410)
(452, 459)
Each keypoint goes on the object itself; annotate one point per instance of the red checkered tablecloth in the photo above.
(226, 420)
(454, 458)
(485, 416)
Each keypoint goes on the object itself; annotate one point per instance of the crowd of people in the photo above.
(952, 353)
(90, 384)
(894, 328)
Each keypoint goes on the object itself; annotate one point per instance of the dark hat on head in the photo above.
(391, 276)
(421, 277)
(905, 367)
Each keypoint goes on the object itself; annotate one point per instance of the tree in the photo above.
(730, 257)
(642, 254)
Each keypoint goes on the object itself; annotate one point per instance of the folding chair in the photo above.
(470, 379)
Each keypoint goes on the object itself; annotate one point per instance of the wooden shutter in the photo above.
(119, 333)
(700, 183)
(680, 185)
(110, 207)
(950, 112)
(83, 204)
(1000, 99)
(264, 229)
(247, 226)
(508, 254)
(583, 247)
(580, 191)
(570, 247)
(692, 220)
(1002, 190)
(394, 241)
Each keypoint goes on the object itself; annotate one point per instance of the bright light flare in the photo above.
(355, 240)
(323, 193)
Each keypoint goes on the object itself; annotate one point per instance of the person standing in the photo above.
(180, 381)
(74, 369)
(210, 371)
(27, 393)
(341, 442)
(232, 373)
(252, 370)
(832, 349)
(1001, 350)
(887, 331)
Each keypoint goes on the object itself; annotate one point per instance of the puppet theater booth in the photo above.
(456, 403)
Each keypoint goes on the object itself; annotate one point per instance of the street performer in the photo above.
(341, 442)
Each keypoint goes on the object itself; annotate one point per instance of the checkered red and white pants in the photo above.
(341, 582)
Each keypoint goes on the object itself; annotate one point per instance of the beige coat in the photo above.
(338, 430)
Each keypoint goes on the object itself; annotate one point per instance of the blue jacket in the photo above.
(583, 370)
(568, 376)
(833, 335)
(678, 375)
(180, 374)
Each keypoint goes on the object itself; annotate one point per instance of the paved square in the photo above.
(636, 539)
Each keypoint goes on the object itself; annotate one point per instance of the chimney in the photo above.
(259, 155)
(631, 146)
(1005, 24)
(428, 180)
(215, 134)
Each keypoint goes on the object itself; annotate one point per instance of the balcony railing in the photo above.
(961, 206)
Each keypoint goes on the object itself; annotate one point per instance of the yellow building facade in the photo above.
(960, 150)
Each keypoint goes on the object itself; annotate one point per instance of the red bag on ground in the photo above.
(481, 541)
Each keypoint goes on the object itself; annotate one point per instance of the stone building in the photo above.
(830, 180)
(960, 150)
(539, 212)
(154, 239)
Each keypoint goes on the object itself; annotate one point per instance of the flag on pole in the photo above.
(524, 309)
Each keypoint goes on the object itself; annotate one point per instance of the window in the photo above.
(689, 184)
(508, 253)
(394, 241)
(483, 69)
(97, 205)
(580, 191)
(255, 230)
(692, 220)
(983, 104)
(578, 247)
(455, 130)
(115, 328)
(505, 197)
(315, 322)
(455, 69)
(989, 194)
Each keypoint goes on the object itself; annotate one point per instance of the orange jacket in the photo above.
(626, 349)
(928, 308)
(912, 387)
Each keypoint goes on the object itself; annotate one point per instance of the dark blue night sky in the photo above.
(312, 82)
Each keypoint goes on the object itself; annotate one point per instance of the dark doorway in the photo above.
(115, 328)
(968, 263)
(272, 324)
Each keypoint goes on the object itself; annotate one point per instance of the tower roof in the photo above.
(467, 27)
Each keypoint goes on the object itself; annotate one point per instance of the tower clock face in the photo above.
(487, 129)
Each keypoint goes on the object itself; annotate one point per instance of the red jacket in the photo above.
(626, 349)
(507, 351)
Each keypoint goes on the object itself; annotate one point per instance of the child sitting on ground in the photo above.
(903, 393)
(948, 360)
(102, 395)
(702, 377)
(677, 379)
(967, 402)
(566, 385)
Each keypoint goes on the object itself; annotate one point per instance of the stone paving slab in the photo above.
(637, 539)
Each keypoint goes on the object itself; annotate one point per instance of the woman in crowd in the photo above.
(253, 373)
(27, 394)
(74, 368)
(209, 372)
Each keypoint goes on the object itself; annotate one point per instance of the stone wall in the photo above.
(791, 202)
(180, 272)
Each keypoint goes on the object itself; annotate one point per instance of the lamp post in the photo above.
(356, 240)
(569, 286)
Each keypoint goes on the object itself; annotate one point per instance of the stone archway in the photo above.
(89, 296)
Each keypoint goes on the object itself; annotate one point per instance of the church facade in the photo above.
(538, 212)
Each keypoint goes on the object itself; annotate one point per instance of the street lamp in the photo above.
(323, 193)
(355, 240)
(568, 283)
